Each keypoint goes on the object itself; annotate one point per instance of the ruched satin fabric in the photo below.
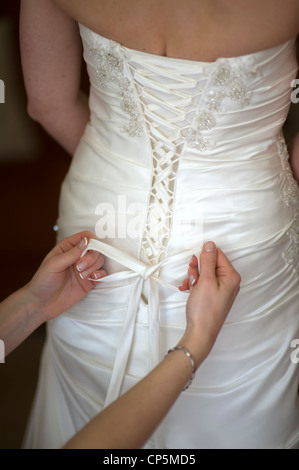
(199, 146)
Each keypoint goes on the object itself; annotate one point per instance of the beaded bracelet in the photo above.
(190, 357)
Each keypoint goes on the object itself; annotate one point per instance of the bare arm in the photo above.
(52, 59)
(55, 287)
(129, 421)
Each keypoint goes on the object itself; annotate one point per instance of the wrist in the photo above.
(196, 343)
(19, 317)
(190, 360)
(36, 311)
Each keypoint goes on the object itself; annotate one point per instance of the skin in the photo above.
(60, 282)
(143, 407)
(196, 29)
(56, 286)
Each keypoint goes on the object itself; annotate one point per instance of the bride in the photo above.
(179, 141)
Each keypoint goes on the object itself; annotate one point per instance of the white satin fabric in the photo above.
(196, 150)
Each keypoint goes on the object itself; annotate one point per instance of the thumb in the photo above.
(208, 261)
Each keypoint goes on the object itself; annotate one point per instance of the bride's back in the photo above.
(190, 29)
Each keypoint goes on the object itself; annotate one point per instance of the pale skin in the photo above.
(145, 405)
(60, 282)
(191, 29)
(56, 286)
(196, 29)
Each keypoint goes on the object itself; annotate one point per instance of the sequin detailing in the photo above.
(290, 198)
(291, 254)
(110, 69)
(226, 82)
(290, 190)
(173, 111)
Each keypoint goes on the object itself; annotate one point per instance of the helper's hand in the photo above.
(211, 298)
(193, 275)
(62, 279)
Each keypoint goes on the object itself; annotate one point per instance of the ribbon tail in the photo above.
(125, 344)
(154, 324)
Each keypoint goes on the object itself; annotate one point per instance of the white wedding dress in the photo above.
(176, 153)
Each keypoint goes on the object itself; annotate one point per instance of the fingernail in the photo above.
(192, 259)
(83, 244)
(81, 266)
(96, 276)
(83, 275)
(209, 247)
(192, 281)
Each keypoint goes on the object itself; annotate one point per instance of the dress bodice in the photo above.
(174, 125)
(178, 152)
(197, 102)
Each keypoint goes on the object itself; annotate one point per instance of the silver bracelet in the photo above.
(190, 357)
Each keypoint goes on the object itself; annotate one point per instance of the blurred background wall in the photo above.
(32, 167)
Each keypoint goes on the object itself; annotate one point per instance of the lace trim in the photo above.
(290, 198)
(110, 69)
(226, 82)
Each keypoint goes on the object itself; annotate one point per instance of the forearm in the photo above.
(65, 124)
(130, 421)
(19, 317)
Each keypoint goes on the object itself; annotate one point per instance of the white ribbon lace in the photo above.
(143, 272)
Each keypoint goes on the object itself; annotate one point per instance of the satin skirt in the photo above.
(245, 395)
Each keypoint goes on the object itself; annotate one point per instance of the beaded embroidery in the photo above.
(290, 198)
(110, 69)
(169, 126)
(226, 82)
